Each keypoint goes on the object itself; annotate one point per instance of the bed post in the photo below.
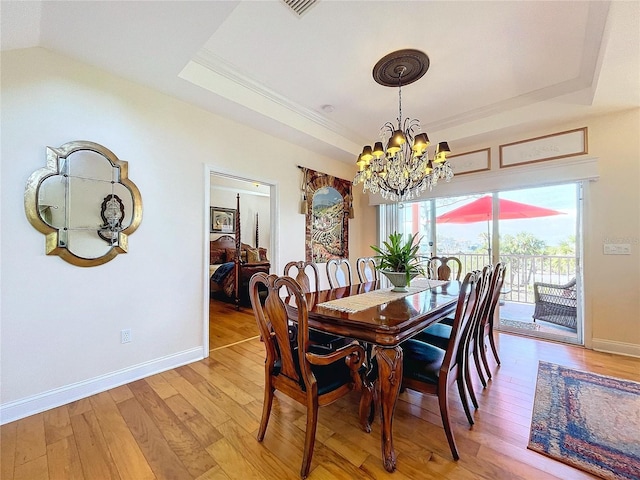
(237, 259)
(257, 234)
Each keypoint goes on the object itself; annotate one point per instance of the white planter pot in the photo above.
(399, 280)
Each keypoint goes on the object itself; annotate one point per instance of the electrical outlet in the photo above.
(125, 335)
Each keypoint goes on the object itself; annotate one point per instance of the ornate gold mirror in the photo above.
(84, 203)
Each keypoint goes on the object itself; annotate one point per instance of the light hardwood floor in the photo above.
(228, 326)
(200, 421)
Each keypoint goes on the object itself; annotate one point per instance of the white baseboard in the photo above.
(620, 348)
(22, 408)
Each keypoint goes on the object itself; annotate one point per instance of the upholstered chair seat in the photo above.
(421, 361)
(437, 334)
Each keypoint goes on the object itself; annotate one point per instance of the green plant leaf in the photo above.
(398, 255)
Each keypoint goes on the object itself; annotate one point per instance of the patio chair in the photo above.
(556, 303)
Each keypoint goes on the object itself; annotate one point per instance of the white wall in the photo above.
(60, 324)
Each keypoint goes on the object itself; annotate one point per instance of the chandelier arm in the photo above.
(411, 127)
(390, 127)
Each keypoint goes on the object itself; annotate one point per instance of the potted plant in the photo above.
(398, 260)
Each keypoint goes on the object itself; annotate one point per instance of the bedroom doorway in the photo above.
(224, 324)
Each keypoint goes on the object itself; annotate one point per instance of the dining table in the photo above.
(376, 316)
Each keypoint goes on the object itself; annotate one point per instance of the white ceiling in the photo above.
(496, 67)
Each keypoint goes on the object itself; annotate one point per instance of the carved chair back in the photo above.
(446, 268)
(485, 327)
(366, 267)
(339, 272)
(306, 274)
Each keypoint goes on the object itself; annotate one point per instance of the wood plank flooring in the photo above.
(199, 422)
(228, 325)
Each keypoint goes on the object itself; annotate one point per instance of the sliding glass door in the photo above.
(541, 250)
(534, 231)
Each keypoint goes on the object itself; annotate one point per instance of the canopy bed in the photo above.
(232, 263)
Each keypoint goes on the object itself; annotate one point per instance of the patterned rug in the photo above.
(588, 421)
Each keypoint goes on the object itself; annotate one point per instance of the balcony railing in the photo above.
(522, 271)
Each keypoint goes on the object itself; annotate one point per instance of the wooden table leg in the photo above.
(368, 399)
(390, 378)
(367, 404)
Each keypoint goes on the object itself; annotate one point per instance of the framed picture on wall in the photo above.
(223, 220)
(471, 162)
(549, 147)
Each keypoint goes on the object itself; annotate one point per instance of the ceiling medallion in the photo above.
(402, 170)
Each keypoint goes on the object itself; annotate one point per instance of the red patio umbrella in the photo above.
(480, 210)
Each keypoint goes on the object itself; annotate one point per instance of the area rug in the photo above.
(588, 421)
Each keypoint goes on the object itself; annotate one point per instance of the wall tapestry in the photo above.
(327, 205)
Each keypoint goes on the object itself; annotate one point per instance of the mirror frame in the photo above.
(52, 168)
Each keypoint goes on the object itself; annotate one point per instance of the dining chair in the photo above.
(291, 367)
(483, 290)
(339, 272)
(308, 281)
(308, 277)
(431, 370)
(428, 267)
(446, 268)
(439, 334)
(366, 267)
(485, 326)
(489, 288)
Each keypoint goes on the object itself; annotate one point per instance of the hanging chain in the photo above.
(402, 70)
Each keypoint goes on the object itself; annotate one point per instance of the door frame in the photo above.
(580, 326)
(209, 171)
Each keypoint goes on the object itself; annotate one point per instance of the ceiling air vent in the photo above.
(300, 7)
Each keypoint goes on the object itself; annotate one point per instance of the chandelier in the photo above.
(402, 170)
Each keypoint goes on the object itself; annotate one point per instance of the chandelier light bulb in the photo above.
(392, 148)
(398, 138)
(378, 151)
(420, 143)
(429, 167)
(366, 154)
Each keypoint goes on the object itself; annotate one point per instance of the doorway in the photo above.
(224, 324)
(536, 232)
(542, 293)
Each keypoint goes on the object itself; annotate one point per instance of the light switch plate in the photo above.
(617, 249)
